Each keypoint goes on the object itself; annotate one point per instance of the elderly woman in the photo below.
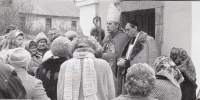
(140, 80)
(19, 58)
(185, 65)
(85, 77)
(36, 59)
(168, 79)
(49, 69)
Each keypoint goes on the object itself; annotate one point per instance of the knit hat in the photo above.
(18, 57)
(41, 36)
(60, 47)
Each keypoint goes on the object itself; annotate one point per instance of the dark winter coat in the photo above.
(11, 86)
(47, 72)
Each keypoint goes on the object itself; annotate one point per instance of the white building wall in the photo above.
(177, 30)
(195, 39)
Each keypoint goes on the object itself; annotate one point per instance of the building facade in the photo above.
(171, 23)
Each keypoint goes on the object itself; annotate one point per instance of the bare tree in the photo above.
(12, 14)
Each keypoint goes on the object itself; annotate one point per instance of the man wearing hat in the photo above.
(115, 41)
(141, 48)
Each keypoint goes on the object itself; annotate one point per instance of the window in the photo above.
(48, 23)
(73, 26)
(6, 2)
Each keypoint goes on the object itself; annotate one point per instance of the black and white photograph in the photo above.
(99, 50)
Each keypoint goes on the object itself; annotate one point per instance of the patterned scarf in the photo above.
(184, 63)
(77, 71)
(164, 66)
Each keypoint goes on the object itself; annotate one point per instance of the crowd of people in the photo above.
(123, 65)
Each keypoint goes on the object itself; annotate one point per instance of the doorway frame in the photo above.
(127, 6)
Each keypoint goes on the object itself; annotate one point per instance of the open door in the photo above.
(145, 19)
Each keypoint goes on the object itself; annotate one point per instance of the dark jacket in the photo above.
(48, 72)
(11, 86)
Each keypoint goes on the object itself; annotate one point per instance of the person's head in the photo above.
(31, 46)
(16, 38)
(140, 79)
(112, 26)
(164, 66)
(41, 41)
(113, 17)
(51, 33)
(18, 57)
(95, 33)
(132, 28)
(86, 44)
(10, 28)
(60, 47)
(178, 55)
(70, 35)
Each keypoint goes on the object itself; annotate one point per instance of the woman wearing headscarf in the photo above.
(85, 77)
(19, 58)
(7, 30)
(41, 40)
(48, 71)
(168, 79)
(36, 59)
(140, 80)
(14, 40)
(185, 65)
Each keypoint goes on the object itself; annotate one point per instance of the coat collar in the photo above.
(139, 44)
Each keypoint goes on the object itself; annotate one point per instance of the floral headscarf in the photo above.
(184, 63)
(9, 40)
(164, 66)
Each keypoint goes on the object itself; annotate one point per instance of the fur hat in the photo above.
(83, 41)
(60, 47)
(41, 36)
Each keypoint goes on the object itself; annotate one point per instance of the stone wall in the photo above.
(141, 5)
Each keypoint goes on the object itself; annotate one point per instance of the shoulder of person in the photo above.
(149, 38)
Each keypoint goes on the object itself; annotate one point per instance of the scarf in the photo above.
(164, 66)
(184, 63)
(77, 71)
